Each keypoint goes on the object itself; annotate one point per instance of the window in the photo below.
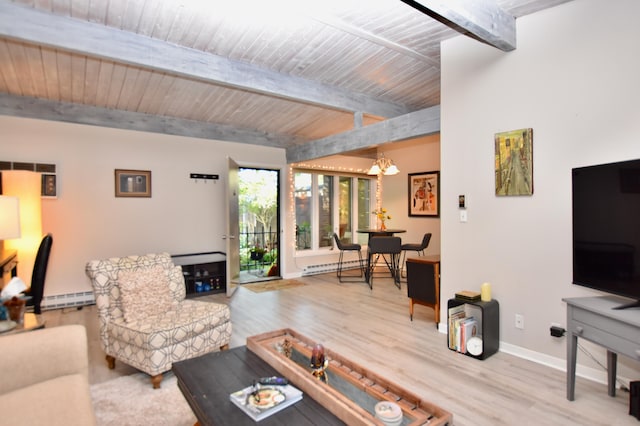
(325, 204)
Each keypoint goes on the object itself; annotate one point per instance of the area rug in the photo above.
(273, 285)
(131, 401)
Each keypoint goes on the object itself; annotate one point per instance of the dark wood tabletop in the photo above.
(387, 231)
(207, 381)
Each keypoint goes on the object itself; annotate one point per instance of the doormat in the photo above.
(273, 285)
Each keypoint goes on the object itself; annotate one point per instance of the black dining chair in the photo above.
(419, 248)
(36, 291)
(389, 248)
(343, 248)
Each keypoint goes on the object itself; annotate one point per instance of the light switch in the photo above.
(463, 215)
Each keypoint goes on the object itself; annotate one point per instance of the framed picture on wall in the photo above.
(133, 183)
(514, 162)
(49, 187)
(424, 194)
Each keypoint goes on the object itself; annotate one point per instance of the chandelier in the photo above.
(383, 166)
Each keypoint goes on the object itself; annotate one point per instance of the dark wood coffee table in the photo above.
(207, 381)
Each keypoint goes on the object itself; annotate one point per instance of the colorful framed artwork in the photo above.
(514, 162)
(133, 183)
(424, 194)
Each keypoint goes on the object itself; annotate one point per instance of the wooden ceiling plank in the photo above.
(78, 78)
(8, 75)
(484, 20)
(360, 33)
(155, 89)
(103, 82)
(408, 126)
(63, 65)
(116, 84)
(21, 106)
(21, 65)
(50, 72)
(36, 27)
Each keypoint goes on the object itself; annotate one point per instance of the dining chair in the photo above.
(419, 248)
(36, 291)
(389, 248)
(343, 248)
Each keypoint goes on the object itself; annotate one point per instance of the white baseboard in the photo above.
(595, 375)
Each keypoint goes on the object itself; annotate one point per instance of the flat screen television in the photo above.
(606, 228)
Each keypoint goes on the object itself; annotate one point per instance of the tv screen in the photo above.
(606, 227)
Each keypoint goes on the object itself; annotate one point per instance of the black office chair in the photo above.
(39, 273)
(420, 248)
(348, 247)
(389, 249)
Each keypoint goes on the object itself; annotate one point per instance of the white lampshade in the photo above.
(391, 170)
(374, 170)
(383, 166)
(26, 186)
(9, 217)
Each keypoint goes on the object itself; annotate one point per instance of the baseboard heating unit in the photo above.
(70, 300)
(329, 267)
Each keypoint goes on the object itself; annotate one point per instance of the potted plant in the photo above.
(257, 253)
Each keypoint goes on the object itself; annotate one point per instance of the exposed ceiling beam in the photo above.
(484, 20)
(67, 34)
(414, 124)
(20, 106)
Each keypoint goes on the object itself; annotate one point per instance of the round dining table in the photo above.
(388, 232)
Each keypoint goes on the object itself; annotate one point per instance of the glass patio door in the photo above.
(259, 224)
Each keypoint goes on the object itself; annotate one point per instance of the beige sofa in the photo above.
(44, 378)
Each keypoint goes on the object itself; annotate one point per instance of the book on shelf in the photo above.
(468, 329)
(468, 295)
(464, 323)
(263, 401)
(456, 313)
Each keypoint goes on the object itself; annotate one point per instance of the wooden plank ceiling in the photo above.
(315, 78)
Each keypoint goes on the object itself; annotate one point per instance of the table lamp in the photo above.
(9, 217)
(26, 186)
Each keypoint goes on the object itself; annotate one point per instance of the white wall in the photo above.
(88, 222)
(574, 79)
(415, 156)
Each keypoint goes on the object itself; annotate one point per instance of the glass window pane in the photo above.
(325, 210)
(344, 210)
(302, 189)
(364, 203)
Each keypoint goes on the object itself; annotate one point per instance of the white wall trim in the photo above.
(595, 375)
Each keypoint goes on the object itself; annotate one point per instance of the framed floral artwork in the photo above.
(424, 194)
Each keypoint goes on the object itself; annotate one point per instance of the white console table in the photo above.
(594, 319)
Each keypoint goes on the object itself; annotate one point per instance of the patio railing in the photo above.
(258, 251)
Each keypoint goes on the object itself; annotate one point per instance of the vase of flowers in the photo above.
(382, 216)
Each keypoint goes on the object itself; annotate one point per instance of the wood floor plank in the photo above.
(373, 328)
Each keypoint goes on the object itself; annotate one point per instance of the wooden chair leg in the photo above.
(111, 362)
(155, 381)
(224, 347)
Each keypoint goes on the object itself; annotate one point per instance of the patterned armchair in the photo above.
(145, 320)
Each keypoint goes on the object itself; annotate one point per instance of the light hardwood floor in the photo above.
(373, 328)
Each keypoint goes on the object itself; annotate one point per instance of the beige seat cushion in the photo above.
(64, 401)
(144, 293)
(185, 321)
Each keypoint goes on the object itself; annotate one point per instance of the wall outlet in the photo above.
(520, 321)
